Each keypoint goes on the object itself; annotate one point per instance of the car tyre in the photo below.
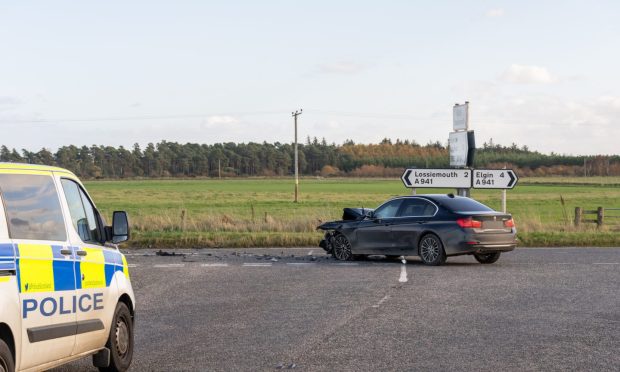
(6, 358)
(431, 250)
(120, 341)
(487, 258)
(341, 248)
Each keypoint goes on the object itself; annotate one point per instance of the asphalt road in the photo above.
(295, 309)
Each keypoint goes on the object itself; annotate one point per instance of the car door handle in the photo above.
(66, 252)
(81, 253)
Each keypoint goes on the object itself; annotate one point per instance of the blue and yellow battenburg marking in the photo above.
(43, 268)
(7, 257)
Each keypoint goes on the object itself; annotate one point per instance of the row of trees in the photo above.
(170, 159)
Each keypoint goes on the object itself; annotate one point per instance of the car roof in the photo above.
(433, 197)
(18, 167)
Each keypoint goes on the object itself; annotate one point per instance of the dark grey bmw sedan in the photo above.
(433, 227)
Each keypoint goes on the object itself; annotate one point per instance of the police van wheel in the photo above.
(6, 358)
(120, 341)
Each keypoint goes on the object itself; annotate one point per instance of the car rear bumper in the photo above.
(470, 242)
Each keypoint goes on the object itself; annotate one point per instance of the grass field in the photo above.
(260, 212)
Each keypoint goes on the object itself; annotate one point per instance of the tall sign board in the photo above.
(460, 116)
(462, 141)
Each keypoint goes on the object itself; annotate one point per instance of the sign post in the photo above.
(461, 142)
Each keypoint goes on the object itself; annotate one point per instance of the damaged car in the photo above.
(432, 227)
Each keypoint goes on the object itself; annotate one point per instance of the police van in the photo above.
(65, 291)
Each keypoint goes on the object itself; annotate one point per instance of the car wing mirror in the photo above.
(120, 227)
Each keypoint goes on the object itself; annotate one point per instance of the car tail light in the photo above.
(469, 223)
(509, 223)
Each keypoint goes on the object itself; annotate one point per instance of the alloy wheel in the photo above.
(429, 249)
(342, 248)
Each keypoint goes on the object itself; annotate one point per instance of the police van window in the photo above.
(417, 207)
(83, 216)
(32, 207)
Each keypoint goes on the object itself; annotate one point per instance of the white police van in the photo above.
(65, 291)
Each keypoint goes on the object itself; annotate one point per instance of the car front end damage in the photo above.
(333, 228)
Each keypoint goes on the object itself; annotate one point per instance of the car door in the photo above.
(86, 235)
(374, 235)
(44, 266)
(413, 219)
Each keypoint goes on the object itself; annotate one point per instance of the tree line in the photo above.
(316, 157)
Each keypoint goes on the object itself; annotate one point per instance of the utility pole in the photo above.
(295, 115)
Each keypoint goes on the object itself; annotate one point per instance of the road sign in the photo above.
(449, 178)
(462, 146)
(460, 116)
(494, 179)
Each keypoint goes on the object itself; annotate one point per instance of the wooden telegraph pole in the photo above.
(295, 115)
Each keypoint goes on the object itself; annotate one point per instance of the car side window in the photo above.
(389, 209)
(417, 207)
(83, 214)
(32, 207)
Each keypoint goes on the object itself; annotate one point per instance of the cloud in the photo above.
(523, 74)
(7, 103)
(342, 68)
(495, 13)
(221, 120)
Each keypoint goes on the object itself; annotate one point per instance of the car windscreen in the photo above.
(465, 205)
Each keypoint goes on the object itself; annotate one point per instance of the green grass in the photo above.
(260, 212)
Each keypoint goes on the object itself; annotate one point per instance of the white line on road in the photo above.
(606, 263)
(246, 264)
(347, 264)
(132, 265)
(169, 265)
(300, 263)
(215, 265)
(381, 301)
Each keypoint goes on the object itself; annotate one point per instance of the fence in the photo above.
(601, 215)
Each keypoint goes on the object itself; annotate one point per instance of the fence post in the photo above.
(578, 214)
(600, 215)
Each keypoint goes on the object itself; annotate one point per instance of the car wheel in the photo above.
(487, 258)
(6, 358)
(341, 248)
(120, 341)
(431, 250)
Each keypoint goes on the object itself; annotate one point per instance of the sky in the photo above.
(545, 74)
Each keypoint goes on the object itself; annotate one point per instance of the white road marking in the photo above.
(347, 264)
(403, 271)
(169, 265)
(246, 264)
(606, 263)
(381, 301)
(300, 263)
(215, 265)
(132, 265)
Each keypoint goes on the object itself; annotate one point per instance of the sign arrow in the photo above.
(513, 179)
(405, 177)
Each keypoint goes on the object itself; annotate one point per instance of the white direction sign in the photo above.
(494, 179)
(449, 178)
